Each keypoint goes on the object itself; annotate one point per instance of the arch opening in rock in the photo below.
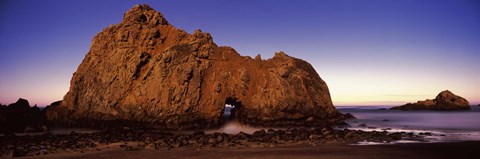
(227, 112)
(232, 106)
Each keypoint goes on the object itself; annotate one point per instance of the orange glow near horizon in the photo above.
(370, 89)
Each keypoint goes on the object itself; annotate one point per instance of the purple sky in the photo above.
(370, 52)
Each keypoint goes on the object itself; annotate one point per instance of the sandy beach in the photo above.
(452, 150)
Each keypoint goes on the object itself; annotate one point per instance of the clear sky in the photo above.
(370, 52)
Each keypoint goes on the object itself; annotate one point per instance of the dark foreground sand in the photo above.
(454, 150)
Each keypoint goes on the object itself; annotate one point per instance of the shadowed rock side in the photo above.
(20, 117)
(445, 100)
(145, 70)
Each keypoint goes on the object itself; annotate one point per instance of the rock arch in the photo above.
(150, 72)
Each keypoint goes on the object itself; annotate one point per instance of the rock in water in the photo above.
(146, 70)
(445, 100)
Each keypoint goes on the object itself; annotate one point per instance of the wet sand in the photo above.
(454, 150)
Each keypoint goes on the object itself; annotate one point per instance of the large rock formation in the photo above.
(20, 117)
(445, 100)
(146, 70)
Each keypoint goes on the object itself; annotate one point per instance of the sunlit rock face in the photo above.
(146, 70)
(445, 100)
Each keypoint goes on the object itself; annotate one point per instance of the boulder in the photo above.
(445, 100)
(144, 70)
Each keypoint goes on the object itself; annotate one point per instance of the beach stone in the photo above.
(309, 119)
(242, 135)
(141, 144)
(147, 72)
(348, 116)
(212, 140)
(426, 133)
(259, 133)
(219, 138)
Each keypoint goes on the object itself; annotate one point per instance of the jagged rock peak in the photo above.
(21, 103)
(144, 14)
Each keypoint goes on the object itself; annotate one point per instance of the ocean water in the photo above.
(444, 126)
(441, 126)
